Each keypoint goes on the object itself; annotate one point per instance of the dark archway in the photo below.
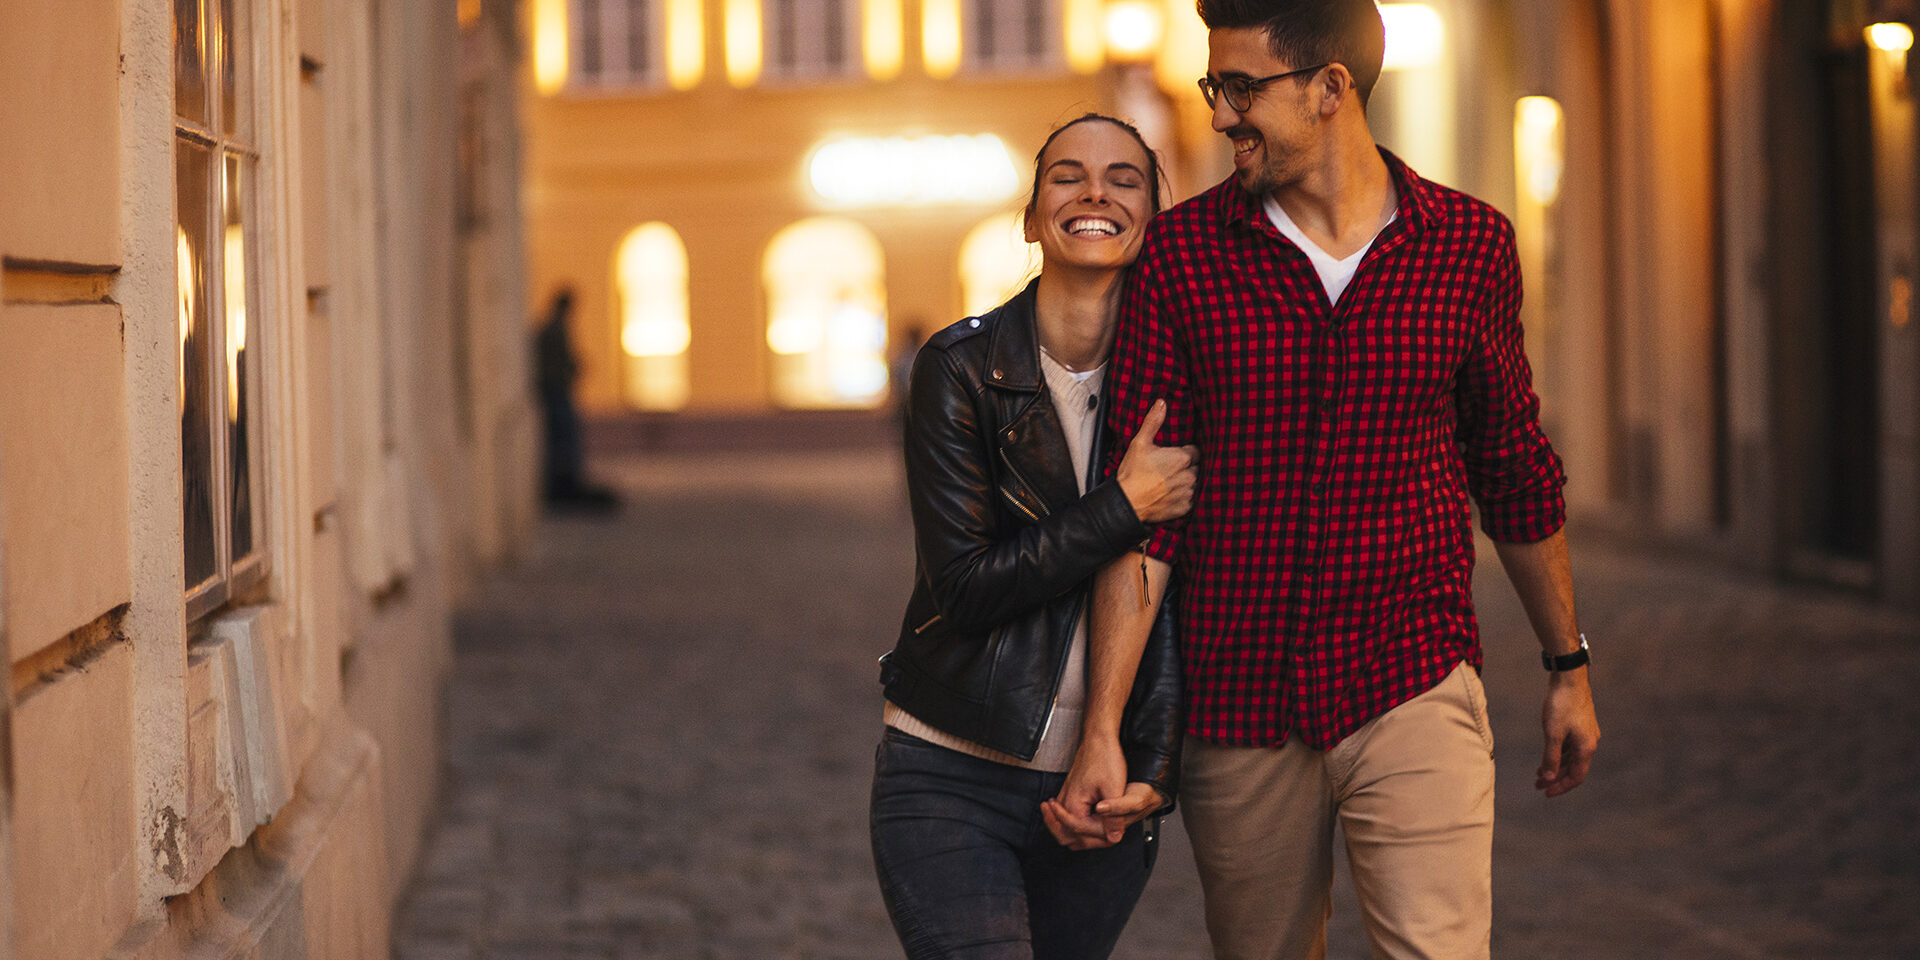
(1824, 256)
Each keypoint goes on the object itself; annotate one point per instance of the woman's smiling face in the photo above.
(1094, 199)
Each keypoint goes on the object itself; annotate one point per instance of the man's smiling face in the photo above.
(1274, 136)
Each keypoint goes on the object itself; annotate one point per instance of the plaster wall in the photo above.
(58, 141)
(1573, 292)
(73, 816)
(6, 736)
(65, 469)
(1676, 371)
(147, 752)
(1752, 392)
(145, 290)
(1897, 169)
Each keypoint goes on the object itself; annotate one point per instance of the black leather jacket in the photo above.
(1006, 548)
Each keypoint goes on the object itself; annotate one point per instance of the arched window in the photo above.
(995, 262)
(827, 315)
(651, 271)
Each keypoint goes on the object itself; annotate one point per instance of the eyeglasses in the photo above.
(1239, 90)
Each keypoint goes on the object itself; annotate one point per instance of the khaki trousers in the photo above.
(1413, 792)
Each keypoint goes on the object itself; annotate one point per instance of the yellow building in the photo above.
(758, 201)
(1714, 201)
(264, 417)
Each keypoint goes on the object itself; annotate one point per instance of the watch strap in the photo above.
(1557, 663)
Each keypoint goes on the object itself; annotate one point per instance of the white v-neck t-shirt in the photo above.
(1335, 275)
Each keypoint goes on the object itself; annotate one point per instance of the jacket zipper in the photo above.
(1017, 505)
(1015, 472)
(923, 627)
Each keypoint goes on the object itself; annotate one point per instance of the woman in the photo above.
(1004, 449)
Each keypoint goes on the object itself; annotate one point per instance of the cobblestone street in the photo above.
(661, 727)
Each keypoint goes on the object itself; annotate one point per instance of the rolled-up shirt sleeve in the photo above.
(1149, 364)
(1512, 471)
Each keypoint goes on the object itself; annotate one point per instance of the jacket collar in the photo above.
(1013, 350)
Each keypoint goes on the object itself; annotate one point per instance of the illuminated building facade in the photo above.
(1717, 210)
(1714, 200)
(264, 417)
(759, 200)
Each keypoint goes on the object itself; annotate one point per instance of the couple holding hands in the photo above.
(1192, 519)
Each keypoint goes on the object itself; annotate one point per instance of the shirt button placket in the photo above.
(1325, 433)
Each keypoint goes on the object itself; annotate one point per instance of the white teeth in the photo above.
(1092, 226)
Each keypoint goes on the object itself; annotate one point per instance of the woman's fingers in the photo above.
(1072, 832)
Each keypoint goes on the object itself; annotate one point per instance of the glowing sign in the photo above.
(913, 171)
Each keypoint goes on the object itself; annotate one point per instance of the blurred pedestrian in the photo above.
(1346, 337)
(983, 689)
(556, 371)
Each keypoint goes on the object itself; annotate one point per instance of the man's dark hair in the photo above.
(1302, 33)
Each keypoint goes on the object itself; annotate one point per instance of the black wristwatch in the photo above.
(1567, 661)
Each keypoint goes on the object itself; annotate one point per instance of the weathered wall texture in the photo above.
(247, 777)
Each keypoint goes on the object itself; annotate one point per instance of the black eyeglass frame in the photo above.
(1209, 90)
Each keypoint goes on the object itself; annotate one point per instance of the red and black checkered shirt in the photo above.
(1326, 569)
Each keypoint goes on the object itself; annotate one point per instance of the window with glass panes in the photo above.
(812, 38)
(617, 43)
(1011, 34)
(216, 164)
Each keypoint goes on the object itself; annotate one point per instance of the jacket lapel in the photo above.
(1031, 440)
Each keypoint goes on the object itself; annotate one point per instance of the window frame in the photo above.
(615, 19)
(231, 578)
(807, 21)
(1048, 27)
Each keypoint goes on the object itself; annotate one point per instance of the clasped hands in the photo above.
(1096, 805)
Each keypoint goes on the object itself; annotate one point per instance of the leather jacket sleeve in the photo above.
(978, 574)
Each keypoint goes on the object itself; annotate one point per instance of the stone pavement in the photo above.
(660, 732)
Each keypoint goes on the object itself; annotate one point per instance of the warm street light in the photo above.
(1890, 37)
(1893, 40)
(686, 44)
(881, 41)
(1133, 29)
(940, 37)
(1539, 137)
(913, 171)
(549, 45)
(743, 42)
(1084, 23)
(1416, 36)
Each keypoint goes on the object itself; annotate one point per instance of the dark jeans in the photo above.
(969, 870)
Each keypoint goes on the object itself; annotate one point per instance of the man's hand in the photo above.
(1573, 732)
(1099, 774)
(1542, 576)
(1111, 820)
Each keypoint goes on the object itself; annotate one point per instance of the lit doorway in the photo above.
(655, 331)
(827, 315)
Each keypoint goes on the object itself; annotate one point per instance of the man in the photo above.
(555, 370)
(1342, 340)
